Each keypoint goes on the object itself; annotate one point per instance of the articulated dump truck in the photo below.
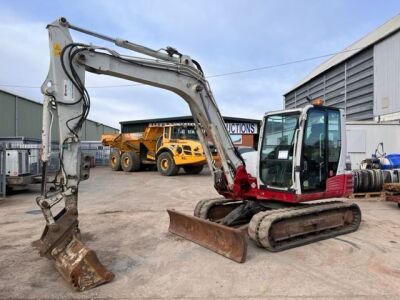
(168, 147)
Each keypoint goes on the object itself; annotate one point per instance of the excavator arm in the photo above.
(64, 88)
(65, 95)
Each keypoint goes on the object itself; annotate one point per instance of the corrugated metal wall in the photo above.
(7, 114)
(387, 76)
(92, 131)
(23, 117)
(348, 85)
(28, 118)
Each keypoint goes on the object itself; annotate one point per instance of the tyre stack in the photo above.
(372, 180)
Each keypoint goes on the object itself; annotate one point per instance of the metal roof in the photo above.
(383, 31)
(16, 94)
(184, 118)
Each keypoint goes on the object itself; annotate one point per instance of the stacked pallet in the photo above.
(392, 192)
(367, 195)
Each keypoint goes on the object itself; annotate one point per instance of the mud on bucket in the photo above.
(80, 266)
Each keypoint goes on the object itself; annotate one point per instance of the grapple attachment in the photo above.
(76, 263)
(227, 241)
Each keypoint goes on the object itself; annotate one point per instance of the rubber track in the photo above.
(203, 206)
(261, 224)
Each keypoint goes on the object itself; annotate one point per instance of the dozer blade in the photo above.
(227, 241)
(76, 263)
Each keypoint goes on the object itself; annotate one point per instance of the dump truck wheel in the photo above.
(166, 164)
(115, 161)
(130, 162)
(193, 169)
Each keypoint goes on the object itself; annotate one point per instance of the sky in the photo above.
(224, 36)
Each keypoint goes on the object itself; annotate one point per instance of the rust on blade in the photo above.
(227, 241)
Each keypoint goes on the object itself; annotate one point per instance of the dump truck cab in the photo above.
(179, 146)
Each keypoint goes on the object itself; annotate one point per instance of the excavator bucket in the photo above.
(77, 263)
(227, 241)
(80, 266)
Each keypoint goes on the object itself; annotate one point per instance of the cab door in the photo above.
(320, 149)
(167, 134)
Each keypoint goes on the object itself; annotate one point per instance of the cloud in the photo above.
(24, 52)
(224, 36)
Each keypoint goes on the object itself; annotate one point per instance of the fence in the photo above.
(32, 146)
(95, 149)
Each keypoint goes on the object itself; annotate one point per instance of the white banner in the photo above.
(241, 128)
(233, 128)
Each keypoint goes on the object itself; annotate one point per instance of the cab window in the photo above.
(277, 149)
(166, 132)
(184, 133)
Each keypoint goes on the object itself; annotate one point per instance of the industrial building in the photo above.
(363, 79)
(244, 132)
(22, 117)
(20, 138)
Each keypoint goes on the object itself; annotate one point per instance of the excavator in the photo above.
(266, 193)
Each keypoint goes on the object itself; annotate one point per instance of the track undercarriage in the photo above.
(224, 226)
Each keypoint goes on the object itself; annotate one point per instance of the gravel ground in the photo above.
(123, 217)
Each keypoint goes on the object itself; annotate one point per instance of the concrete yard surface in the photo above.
(123, 218)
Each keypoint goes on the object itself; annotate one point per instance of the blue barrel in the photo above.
(391, 161)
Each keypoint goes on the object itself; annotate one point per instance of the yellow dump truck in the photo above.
(169, 147)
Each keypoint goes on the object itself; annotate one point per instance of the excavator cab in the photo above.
(301, 149)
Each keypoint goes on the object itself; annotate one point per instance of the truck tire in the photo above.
(379, 180)
(193, 169)
(115, 161)
(365, 181)
(130, 162)
(166, 164)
